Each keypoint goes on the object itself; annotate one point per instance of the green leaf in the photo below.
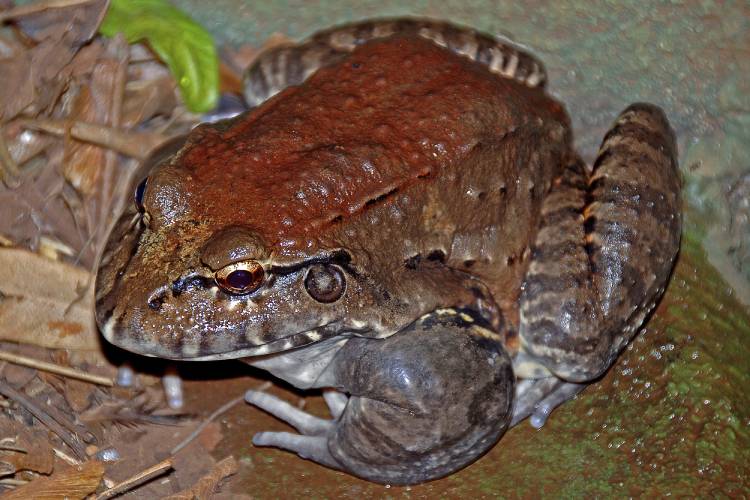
(187, 49)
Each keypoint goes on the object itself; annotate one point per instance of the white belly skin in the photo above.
(304, 368)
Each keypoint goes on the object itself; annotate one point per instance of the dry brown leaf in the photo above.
(75, 482)
(208, 483)
(17, 80)
(82, 19)
(145, 99)
(78, 394)
(40, 302)
(32, 80)
(34, 77)
(118, 407)
(91, 170)
(16, 375)
(38, 208)
(38, 455)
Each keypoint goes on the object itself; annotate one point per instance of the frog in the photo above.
(401, 221)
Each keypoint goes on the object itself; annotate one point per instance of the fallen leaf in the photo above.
(40, 207)
(145, 99)
(76, 482)
(82, 19)
(207, 484)
(37, 452)
(41, 302)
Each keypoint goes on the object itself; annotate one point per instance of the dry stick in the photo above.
(25, 10)
(61, 419)
(133, 481)
(205, 423)
(56, 369)
(66, 458)
(13, 482)
(66, 436)
(107, 192)
(134, 144)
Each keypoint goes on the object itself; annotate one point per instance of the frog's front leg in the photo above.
(424, 402)
(604, 250)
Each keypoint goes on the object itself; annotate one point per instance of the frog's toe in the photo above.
(557, 397)
(313, 448)
(336, 402)
(537, 398)
(305, 423)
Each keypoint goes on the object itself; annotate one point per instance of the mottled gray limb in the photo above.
(336, 402)
(562, 393)
(300, 420)
(528, 393)
(291, 64)
(313, 448)
(604, 250)
(536, 398)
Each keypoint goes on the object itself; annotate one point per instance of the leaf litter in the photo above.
(78, 114)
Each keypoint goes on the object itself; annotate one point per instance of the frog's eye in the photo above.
(140, 191)
(240, 278)
(325, 283)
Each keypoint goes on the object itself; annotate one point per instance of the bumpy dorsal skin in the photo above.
(410, 227)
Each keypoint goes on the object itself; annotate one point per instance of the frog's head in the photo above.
(182, 279)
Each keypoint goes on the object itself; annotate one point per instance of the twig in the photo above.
(25, 10)
(134, 144)
(13, 482)
(140, 478)
(66, 436)
(66, 458)
(56, 369)
(204, 424)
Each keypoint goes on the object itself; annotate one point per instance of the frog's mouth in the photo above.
(295, 341)
(118, 336)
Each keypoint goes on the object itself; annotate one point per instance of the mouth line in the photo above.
(294, 341)
(193, 352)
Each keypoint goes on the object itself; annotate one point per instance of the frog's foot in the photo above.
(604, 249)
(425, 402)
(311, 442)
(536, 398)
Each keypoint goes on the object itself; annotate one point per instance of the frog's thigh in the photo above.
(604, 250)
(425, 402)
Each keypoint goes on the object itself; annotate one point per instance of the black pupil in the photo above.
(240, 279)
(139, 192)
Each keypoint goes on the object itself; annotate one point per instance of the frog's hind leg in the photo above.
(290, 64)
(424, 402)
(604, 250)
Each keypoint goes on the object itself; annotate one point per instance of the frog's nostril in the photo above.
(156, 299)
(190, 282)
